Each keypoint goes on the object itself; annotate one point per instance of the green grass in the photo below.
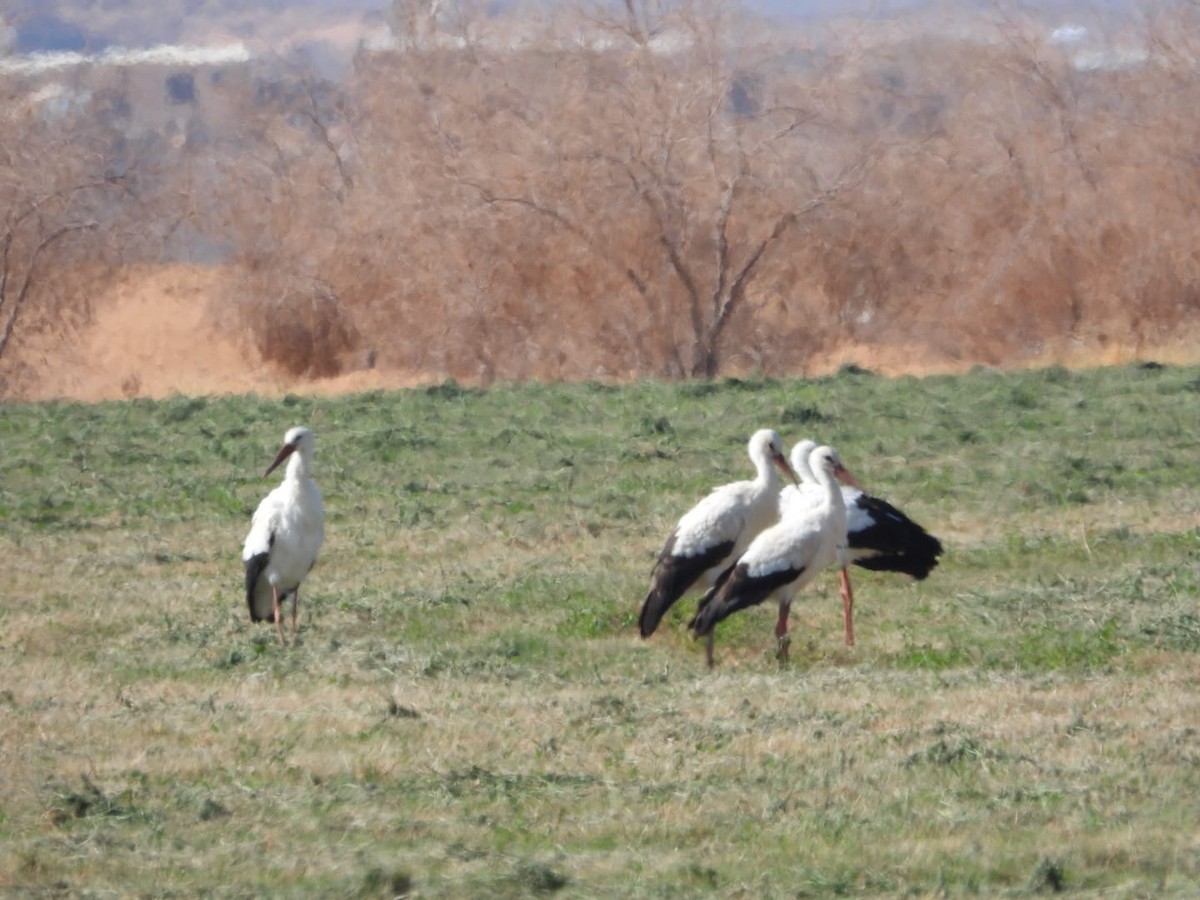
(470, 713)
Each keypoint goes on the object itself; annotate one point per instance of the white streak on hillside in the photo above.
(162, 55)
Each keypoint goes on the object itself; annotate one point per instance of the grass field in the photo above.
(470, 713)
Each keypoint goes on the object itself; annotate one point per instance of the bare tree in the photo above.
(60, 202)
(286, 184)
(12, 303)
(657, 147)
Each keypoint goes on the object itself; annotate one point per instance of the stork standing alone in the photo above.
(716, 530)
(286, 534)
(783, 558)
(879, 536)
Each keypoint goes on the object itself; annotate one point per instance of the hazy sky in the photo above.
(83, 25)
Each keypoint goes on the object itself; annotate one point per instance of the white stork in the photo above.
(783, 558)
(879, 536)
(286, 534)
(716, 530)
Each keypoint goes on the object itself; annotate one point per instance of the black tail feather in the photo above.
(918, 567)
(893, 542)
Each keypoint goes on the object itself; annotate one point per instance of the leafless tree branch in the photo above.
(29, 276)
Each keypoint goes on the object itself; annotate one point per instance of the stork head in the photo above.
(298, 438)
(765, 442)
(827, 458)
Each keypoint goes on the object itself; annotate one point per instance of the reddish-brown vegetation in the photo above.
(682, 193)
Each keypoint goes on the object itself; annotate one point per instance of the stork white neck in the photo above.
(799, 459)
(299, 465)
(822, 472)
(767, 456)
(827, 468)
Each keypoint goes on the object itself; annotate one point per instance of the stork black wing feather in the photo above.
(740, 590)
(254, 568)
(892, 542)
(672, 577)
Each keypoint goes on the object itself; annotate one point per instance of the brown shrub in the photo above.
(683, 193)
(301, 327)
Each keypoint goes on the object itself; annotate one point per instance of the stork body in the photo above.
(805, 499)
(285, 536)
(784, 558)
(717, 529)
(879, 536)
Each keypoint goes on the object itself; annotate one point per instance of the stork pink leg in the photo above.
(782, 639)
(278, 614)
(848, 607)
(295, 603)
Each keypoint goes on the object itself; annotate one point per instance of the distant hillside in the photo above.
(75, 25)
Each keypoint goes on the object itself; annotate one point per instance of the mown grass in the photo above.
(470, 713)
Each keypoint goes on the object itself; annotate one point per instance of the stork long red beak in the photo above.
(785, 467)
(284, 452)
(842, 474)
